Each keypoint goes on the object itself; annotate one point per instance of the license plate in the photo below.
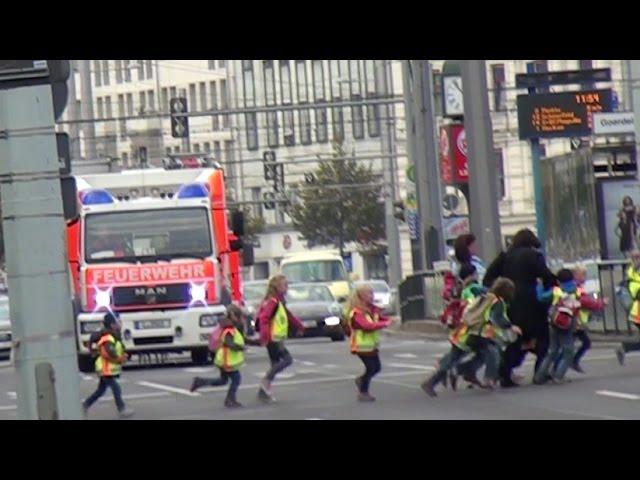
(149, 324)
(309, 323)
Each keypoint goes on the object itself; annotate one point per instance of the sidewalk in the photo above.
(433, 330)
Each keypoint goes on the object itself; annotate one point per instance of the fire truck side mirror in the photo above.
(237, 222)
(247, 255)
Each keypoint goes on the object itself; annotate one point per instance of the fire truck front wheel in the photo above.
(85, 363)
(200, 356)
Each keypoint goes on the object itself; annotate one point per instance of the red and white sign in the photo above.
(455, 226)
(446, 172)
(460, 153)
(149, 274)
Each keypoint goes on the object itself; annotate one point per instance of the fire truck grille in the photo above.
(157, 295)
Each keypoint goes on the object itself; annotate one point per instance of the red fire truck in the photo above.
(157, 247)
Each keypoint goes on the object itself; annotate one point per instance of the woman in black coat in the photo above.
(524, 265)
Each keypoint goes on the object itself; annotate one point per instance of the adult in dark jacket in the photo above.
(523, 264)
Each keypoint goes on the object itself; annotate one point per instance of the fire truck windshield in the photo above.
(147, 235)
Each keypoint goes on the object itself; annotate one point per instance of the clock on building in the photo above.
(453, 99)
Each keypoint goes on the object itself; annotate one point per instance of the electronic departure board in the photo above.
(566, 114)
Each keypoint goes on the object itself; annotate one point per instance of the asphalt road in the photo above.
(319, 386)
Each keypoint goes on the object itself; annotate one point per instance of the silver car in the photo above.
(5, 329)
(318, 310)
(252, 294)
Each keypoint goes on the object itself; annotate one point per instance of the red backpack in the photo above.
(452, 315)
(564, 312)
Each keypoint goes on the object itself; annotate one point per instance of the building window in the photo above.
(261, 270)
(108, 110)
(215, 123)
(149, 67)
(121, 106)
(176, 149)
(305, 126)
(272, 129)
(125, 159)
(223, 95)
(540, 66)
(222, 63)
(288, 127)
(105, 72)
(301, 81)
(173, 92)
(269, 82)
(140, 70)
(100, 108)
(203, 96)
(337, 117)
(224, 103)
(97, 73)
(230, 158)
(248, 83)
(319, 97)
(143, 103)
(499, 85)
(127, 70)
(285, 82)
(207, 147)
(372, 78)
(212, 64)
(193, 100)
(151, 102)
(196, 147)
(168, 150)
(217, 153)
(357, 114)
(587, 65)
(164, 98)
(129, 104)
(500, 169)
(118, 71)
(256, 196)
(252, 130)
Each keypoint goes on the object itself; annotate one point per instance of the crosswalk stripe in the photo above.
(626, 396)
(168, 388)
(411, 365)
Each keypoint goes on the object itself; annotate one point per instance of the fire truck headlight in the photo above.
(210, 320)
(90, 327)
(198, 293)
(103, 299)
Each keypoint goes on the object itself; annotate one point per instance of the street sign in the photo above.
(618, 123)
(179, 125)
(455, 226)
(557, 115)
(565, 77)
(450, 202)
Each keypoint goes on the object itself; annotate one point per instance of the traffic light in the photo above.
(398, 210)
(179, 125)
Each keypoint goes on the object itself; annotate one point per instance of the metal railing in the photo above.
(420, 296)
(614, 318)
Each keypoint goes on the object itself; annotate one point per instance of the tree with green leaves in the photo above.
(342, 204)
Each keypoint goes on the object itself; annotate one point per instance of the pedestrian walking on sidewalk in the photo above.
(365, 321)
(108, 365)
(274, 322)
(228, 357)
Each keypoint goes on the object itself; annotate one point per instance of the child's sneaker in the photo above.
(232, 403)
(366, 397)
(620, 355)
(196, 384)
(576, 366)
(125, 413)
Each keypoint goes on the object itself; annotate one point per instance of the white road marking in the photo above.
(12, 395)
(199, 370)
(88, 378)
(135, 396)
(168, 388)
(626, 396)
(411, 365)
(405, 355)
(280, 375)
(306, 363)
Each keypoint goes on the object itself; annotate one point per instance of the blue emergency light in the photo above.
(96, 197)
(193, 190)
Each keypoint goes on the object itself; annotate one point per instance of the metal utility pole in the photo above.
(86, 110)
(410, 128)
(635, 96)
(483, 189)
(428, 187)
(386, 145)
(41, 315)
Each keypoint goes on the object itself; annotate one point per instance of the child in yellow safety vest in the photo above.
(633, 279)
(229, 356)
(484, 329)
(365, 322)
(109, 364)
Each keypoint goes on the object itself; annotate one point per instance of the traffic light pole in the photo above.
(386, 145)
(40, 299)
(483, 180)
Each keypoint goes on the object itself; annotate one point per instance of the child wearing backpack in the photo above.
(633, 287)
(566, 303)
(484, 325)
(466, 288)
(582, 333)
(228, 357)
